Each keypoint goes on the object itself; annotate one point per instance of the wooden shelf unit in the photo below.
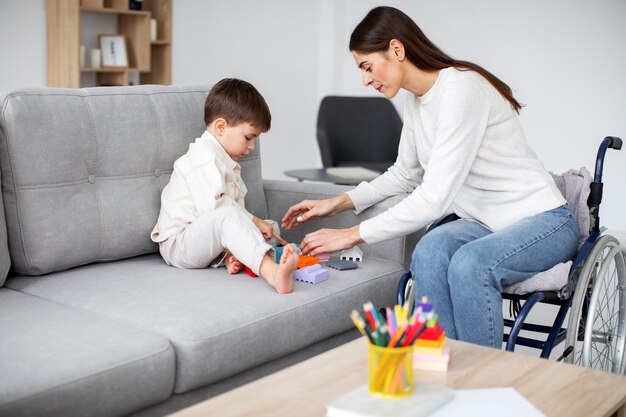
(151, 59)
(161, 49)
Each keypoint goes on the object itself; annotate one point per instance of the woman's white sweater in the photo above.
(462, 150)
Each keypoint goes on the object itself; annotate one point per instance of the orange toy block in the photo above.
(305, 260)
(431, 343)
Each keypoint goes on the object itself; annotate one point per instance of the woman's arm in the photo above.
(316, 209)
(460, 119)
(330, 240)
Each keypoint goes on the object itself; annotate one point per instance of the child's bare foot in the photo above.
(233, 266)
(283, 274)
(280, 275)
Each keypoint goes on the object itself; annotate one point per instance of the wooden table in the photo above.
(304, 389)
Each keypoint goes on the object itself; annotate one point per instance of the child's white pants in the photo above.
(201, 241)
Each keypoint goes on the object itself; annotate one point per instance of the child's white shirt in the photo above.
(462, 150)
(204, 179)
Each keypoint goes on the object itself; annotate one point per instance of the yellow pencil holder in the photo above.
(390, 372)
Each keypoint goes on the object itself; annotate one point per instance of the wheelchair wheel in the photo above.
(596, 326)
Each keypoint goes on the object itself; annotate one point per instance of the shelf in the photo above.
(108, 69)
(110, 10)
(71, 24)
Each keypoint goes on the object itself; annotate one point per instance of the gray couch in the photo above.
(92, 321)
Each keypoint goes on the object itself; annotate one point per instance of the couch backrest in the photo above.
(82, 170)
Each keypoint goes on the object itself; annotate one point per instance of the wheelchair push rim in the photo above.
(596, 327)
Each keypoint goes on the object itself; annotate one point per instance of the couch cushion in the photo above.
(219, 324)
(5, 259)
(83, 169)
(60, 361)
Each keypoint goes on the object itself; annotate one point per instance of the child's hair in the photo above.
(237, 101)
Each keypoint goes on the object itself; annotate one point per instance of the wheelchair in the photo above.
(594, 296)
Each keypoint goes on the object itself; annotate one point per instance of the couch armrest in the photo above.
(281, 195)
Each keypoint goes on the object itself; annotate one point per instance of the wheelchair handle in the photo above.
(616, 143)
(595, 194)
(612, 142)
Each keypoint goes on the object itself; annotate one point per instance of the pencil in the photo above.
(417, 334)
(370, 316)
(391, 322)
(359, 323)
(396, 337)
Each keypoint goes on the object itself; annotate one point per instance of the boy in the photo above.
(202, 207)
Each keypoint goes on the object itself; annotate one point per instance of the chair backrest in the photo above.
(358, 131)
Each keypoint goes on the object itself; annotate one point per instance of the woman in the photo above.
(462, 151)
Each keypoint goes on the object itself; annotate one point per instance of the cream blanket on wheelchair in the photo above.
(574, 185)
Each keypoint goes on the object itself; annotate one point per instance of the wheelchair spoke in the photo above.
(597, 322)
(602, 358)
(607, 338)
(597, 313)
(606, 309)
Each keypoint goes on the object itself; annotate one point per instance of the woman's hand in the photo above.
(330, 240)
(316, 209)
(264, 227)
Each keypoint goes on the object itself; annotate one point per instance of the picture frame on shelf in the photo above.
(135, 4)
(113, 49)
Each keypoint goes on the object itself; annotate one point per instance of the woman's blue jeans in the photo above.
(462, 266)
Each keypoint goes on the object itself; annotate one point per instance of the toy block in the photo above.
(430, 366)
(431, 343)
(435, 351)
(323, 257)
(341, 264)
(313, 274)
(278, 251)
(305, 260)
(425, 304)
(353, 254)
(249, 272)
(432, 333)
(443, 356)
(432, 319)
(432, 362)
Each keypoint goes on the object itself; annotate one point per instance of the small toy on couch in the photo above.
(313, 274)
(353, 254)
(308, 270)
(342, 264)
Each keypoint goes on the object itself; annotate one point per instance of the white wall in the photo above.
(22, 44)
(275, 48)
(564, 59)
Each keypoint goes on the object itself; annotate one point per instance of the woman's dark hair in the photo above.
(382, 24)
(237, 101)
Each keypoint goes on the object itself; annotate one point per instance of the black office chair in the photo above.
(358, 131)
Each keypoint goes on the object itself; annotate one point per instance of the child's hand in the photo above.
(264, 227)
